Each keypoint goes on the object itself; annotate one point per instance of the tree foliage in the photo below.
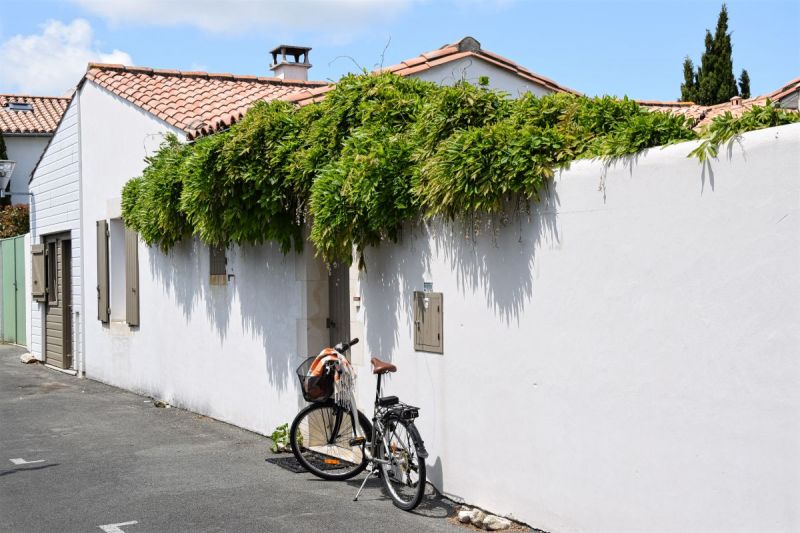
(744, 84)
(14, 220)
(3, 152)
(714, 81)
(378, 151)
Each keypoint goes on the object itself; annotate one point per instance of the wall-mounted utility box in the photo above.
(428, 330)
(218, 265)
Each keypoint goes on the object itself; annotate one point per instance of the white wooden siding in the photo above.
(55, 208)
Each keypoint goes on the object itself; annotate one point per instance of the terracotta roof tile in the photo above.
(42, 119)
(198, 103)
(701, 116)
(466, 47)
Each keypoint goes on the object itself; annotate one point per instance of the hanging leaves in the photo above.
(381, 150)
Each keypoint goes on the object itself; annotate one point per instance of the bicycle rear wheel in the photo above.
(320, 439)
(404, 478)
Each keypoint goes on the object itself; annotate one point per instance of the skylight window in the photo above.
(19, 106)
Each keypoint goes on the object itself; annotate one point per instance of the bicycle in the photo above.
(327, 442)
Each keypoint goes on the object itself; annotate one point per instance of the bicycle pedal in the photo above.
(358, 441)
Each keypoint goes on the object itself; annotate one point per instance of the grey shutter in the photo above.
(131, 277)
(37, 273)
(103, 310)
(433, 317)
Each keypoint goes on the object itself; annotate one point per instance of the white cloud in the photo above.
(53, 61)
(239, 15)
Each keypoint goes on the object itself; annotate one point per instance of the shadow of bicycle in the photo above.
(433, 504)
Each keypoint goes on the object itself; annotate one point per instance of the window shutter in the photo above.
(103, 310)
(131, 277)
(37, 275)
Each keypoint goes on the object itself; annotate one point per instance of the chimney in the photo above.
(290, 62)
(736, 101)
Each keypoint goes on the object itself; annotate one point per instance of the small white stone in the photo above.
(464, 516)
(496, 523)
(27, 358)
(476, 517)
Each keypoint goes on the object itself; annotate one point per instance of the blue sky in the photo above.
(597, 47)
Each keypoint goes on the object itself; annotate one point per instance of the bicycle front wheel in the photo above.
(404, 475)
(320, 438)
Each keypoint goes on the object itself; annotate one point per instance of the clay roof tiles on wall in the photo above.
(465, 48)
(42, 119)
(702, 116)
(198, 103)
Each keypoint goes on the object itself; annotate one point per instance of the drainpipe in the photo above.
(76, 345)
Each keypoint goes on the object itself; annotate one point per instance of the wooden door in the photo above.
(58, 308)
(339, 303)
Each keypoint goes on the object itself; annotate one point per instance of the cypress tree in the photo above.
(689, 85)
(744, 84)
(714, 81)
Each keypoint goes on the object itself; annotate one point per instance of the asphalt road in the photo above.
(98, 456)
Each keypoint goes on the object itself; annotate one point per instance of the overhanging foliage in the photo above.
(378, 151)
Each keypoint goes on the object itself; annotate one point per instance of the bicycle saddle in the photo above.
(382, 367)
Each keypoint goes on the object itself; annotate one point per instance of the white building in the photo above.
(27, 124)
(117, 116)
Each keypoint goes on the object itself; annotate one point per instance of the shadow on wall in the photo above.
(268, 292)
(489, 254)
(263, 281)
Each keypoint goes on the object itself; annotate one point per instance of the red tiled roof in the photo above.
(702, 116)
(466, 47)
(198, 103)
(43, 119)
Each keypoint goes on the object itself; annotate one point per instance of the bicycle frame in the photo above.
(371, 442)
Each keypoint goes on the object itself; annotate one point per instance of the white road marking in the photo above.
(21, 461)
(115, 528)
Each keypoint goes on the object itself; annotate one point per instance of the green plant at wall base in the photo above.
(280, 439)
(726, 127)
(381, 150)
(14, 220)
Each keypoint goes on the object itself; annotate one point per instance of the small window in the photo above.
(52, 273)
(218, 265)
(428, 330)
(19, 106)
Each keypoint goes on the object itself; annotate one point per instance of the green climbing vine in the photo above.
(380, 150)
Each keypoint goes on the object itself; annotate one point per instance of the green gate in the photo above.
(12, 251)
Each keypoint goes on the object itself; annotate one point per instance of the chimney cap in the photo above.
(469, 44)
(300, 54)
(736, 100)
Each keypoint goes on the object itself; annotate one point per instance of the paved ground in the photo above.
(107, 457)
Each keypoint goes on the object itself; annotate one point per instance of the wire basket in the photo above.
(315, 388)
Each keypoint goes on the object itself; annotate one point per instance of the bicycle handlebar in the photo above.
(346, 345)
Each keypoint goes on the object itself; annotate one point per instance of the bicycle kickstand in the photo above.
(369, 475)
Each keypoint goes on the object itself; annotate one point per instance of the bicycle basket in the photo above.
(315, 388)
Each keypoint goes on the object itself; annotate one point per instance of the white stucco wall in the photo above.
(225, 351)
(472, 68)
(25, 150)
(55, 208)
(622, 361)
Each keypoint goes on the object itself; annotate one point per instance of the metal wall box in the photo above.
(218, 265)
(428, 323)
